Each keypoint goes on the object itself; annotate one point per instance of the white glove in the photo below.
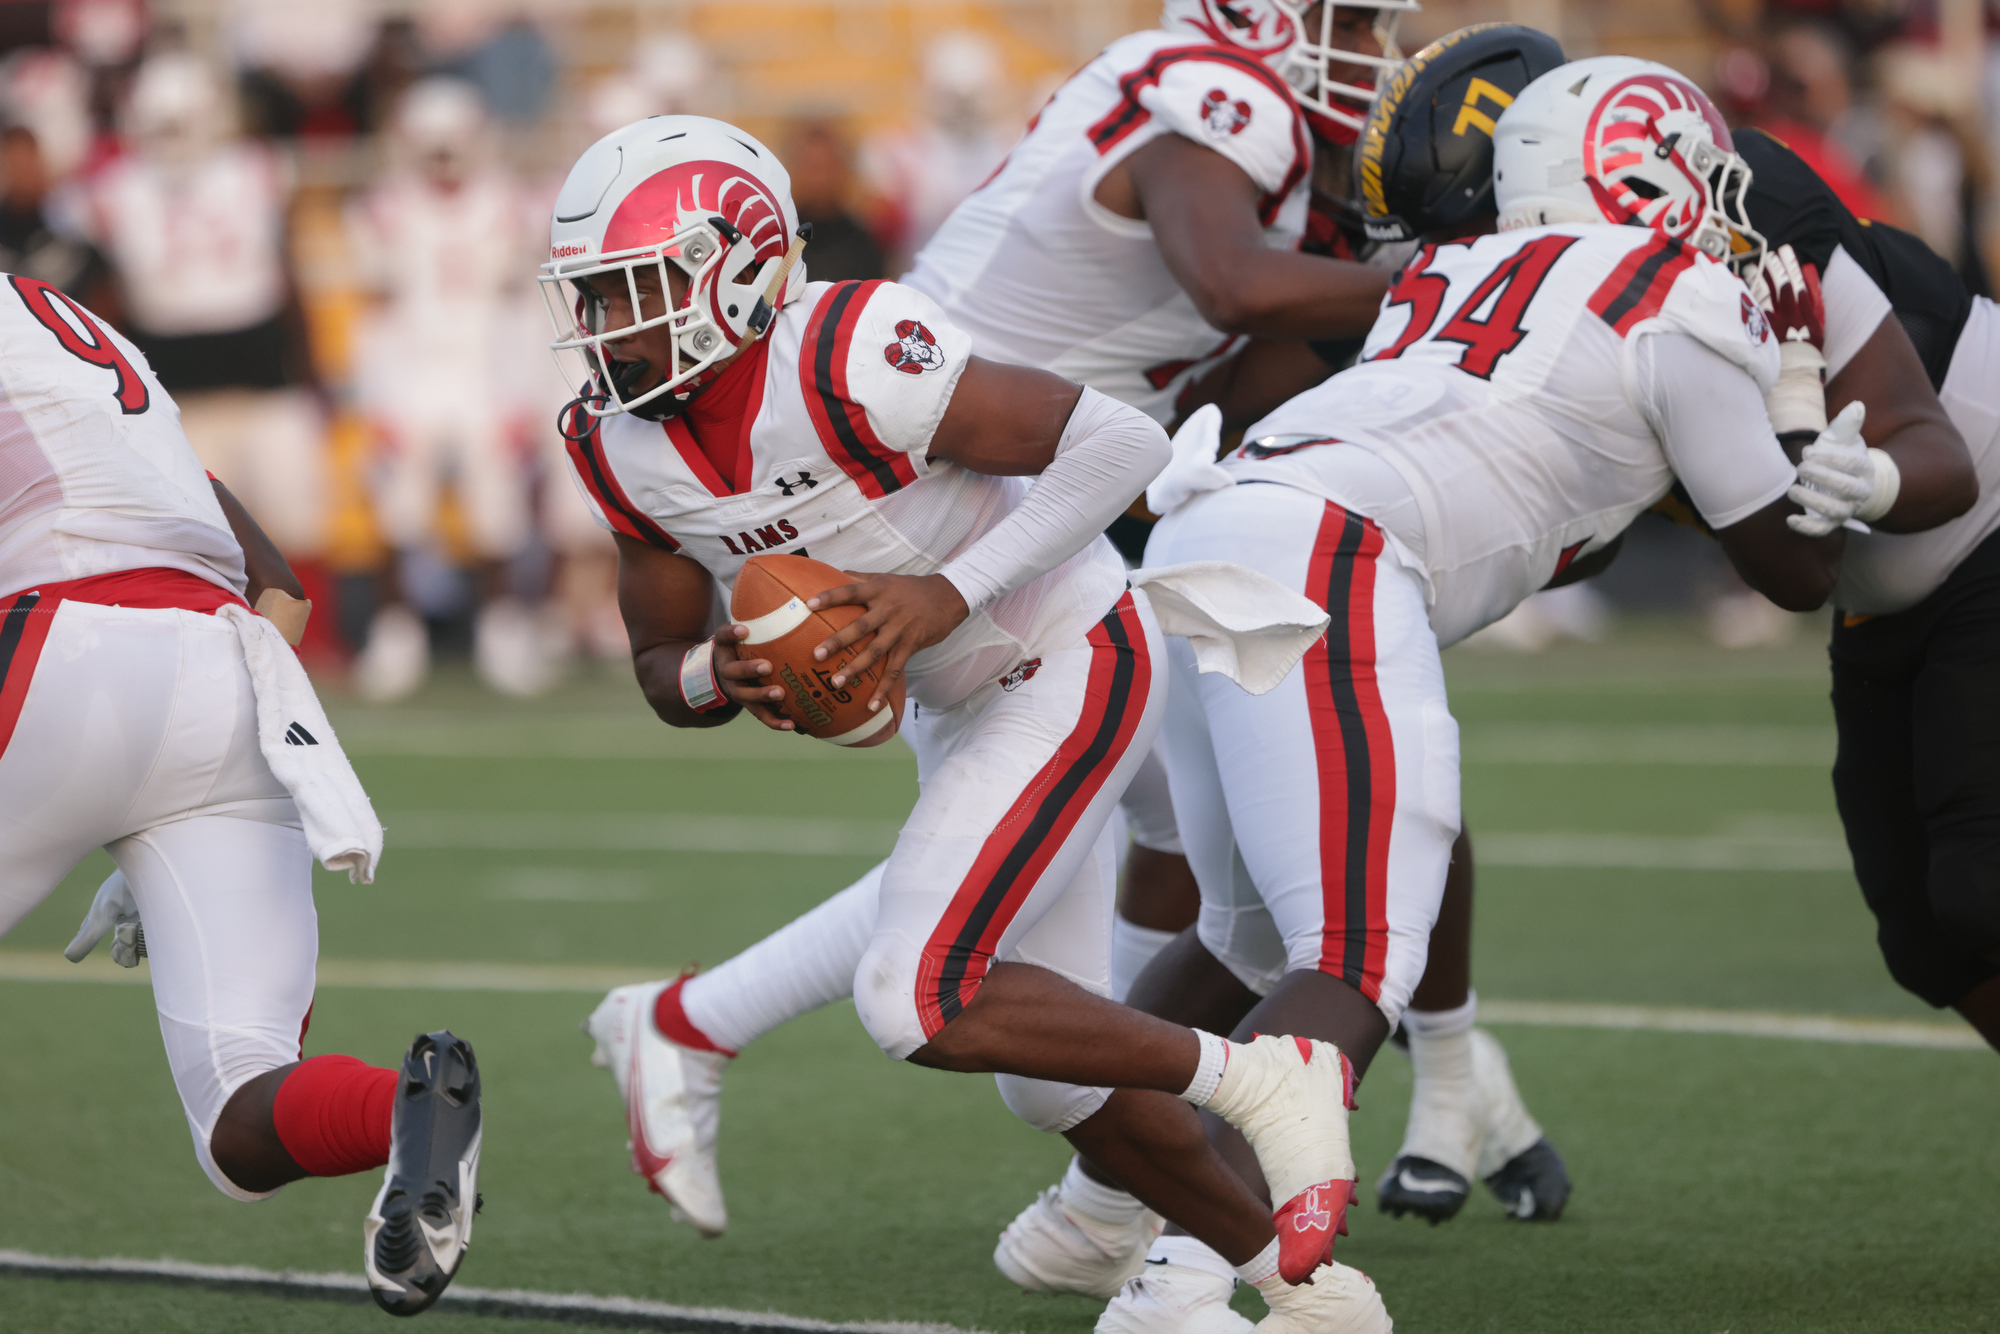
(114, 911)
(1841, 480)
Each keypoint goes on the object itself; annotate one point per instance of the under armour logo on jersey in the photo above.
(1222, 116)
(915, 350)
(804, 481)
(298, 736)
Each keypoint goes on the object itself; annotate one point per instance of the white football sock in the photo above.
(1107, 1204)
(1509, 1130)
(1208, 1069)
(1132, 948)
(1443, 1125)
(1191, 1254)
(1262, 1266)
(796, 968)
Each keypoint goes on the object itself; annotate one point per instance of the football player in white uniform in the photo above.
(441, 242)
(1207, 126)
(729, 408)
(1523, 398)
(1420, 170)
(144, 709)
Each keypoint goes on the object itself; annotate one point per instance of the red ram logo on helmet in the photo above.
(1258, 26)
(1631, 121)
(687, 194)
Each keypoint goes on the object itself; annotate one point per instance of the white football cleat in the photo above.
(1290, 1097)
(1168, 1298)
(1053, 1246)
(672, 1103)
(1339, 1300)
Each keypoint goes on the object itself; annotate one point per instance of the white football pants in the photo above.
(1005, 858)
(137, 733)
(1318, 818)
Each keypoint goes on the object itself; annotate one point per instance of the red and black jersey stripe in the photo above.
(23, 630)
(842, 423)
(1356, 755)
(1638, 287)
(1128, 115)
(586, 452)
(1041, 820)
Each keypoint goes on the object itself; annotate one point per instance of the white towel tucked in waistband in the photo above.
(299, 745)
(1193, 471)
(1242, 623)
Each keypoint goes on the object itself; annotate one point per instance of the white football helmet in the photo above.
(688, 191)
(1619, 140)
(1285, 36)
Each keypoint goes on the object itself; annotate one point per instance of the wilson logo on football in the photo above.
(915, 350)
(1223, 116)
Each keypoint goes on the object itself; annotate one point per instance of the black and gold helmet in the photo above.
(1425, 159)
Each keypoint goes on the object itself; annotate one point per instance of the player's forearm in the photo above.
(263, 564)
(659, 669)
(1107, 455)
(1938, 481)
(1283, 294)
(1256, 381)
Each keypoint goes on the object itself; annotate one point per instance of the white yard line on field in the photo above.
(391, 975)
(618, 1312)
(544, 831)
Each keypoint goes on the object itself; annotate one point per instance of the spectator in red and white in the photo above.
(962, 131)
(193, 220)
(442, 243)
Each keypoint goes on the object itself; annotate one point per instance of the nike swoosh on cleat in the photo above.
(1422, 1187)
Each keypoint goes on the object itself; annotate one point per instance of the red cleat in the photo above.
(1307, 1224)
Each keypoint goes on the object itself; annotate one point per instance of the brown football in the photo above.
(770, 598)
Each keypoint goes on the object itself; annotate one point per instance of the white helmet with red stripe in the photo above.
(1296, 38)
(688, 191)
(1620, 140)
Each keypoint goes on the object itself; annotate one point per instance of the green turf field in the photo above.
(1723, 1182)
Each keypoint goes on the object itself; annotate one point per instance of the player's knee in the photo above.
(885, 996)
(1047, 1105)
(1964, 885)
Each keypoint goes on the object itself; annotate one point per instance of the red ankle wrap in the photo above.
(673, 1023)
(332, 1115)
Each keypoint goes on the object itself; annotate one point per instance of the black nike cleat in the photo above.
(1414, 1185)
(1534, 1184)
(415, 1236)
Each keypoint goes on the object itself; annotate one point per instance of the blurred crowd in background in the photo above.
(321, 221)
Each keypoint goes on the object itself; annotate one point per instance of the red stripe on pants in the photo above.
(1017, 853)
(1355, 753)
(24, 628)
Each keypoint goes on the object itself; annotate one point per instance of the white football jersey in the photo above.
(95, 474)
(856, 377)
(199, 249)
(1039, 273)
(1510, 414)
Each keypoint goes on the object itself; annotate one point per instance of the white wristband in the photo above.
(1888, 484)
(700, 689)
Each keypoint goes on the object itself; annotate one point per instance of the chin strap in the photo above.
(767, 304)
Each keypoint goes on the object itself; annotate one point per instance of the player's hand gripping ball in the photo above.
(770, 599)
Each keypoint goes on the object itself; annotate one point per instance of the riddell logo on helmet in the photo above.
(565, 251)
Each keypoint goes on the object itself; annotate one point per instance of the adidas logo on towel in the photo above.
(298, 736)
